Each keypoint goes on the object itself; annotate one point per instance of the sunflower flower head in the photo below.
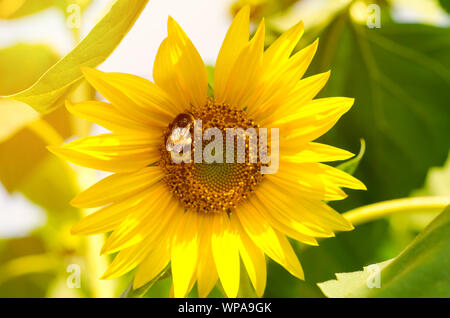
(202, 216)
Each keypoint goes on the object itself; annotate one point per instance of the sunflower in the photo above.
(202, 219)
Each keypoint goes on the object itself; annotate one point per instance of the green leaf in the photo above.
(351, 165)
(421, 270)
(445, 4)
(400, 77)
(49, 91)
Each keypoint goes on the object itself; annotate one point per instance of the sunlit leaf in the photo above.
(49, 91)
(421, 270)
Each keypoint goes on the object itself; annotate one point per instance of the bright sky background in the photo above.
(205, 22)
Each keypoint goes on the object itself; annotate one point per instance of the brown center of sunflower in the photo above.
(203, 186)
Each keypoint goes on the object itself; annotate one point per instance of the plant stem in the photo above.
(380, 210)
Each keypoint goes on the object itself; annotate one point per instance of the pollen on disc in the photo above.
(211, 187)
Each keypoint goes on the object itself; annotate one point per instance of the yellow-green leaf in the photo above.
(49, 91)
(24, 133)
(20, 66)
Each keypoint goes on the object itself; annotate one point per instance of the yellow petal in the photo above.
(301, 60)
(226, 254)
(235, 40)
(252, 257)
(145, 222)
(277, 84)
(292, 227)
(324, 215)
(179, 69)
(127, 260)
(117, 187)
(313, 120)
(279, 74)
(112, 152)
(336, 176)
(282, 203)
(191, 285)
(296, 205)
(206, 270)
(105, 115)
(130, 257)
(305, 90)
(275, 245)
(244, 75)
(315, 152)
(306, 183)
(153, 264)
(184, 253)
(317, 175)
(302, 93)
(108, 218)
(281, 49)
(133, 96)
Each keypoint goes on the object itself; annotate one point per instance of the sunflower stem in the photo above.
(380, 210)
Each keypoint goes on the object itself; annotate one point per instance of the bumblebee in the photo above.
(180, 132)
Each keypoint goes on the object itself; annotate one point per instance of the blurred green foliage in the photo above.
(445, 4)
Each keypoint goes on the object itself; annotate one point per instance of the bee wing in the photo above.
(178, 138)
